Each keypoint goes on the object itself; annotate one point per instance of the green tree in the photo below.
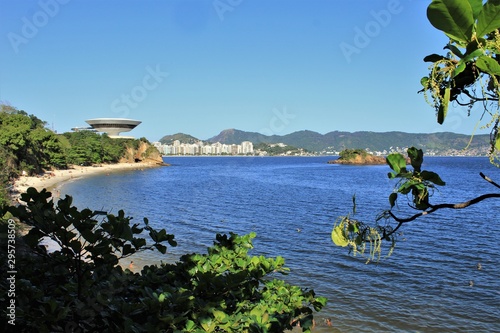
(81, 287)
(469, 75)
(29, 145)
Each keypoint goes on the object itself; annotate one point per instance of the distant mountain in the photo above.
(375, 141)
(234, 136)
(183, 138)
(439, 143)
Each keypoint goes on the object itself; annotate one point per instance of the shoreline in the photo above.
(52, 180)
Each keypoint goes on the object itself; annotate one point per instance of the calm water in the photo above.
(423, 287)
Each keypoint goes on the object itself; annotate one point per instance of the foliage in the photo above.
(349, 154)
(25, 145)
(80, 287)
(469, 73)
(276, 149)
(28, 145)
(352, 233)
(87, 148)
(183, 138)
(417, 182)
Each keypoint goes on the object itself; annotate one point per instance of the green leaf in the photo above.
(397, 162)
(476, 53)
(488, 65)
(190, 325)
(453, 17)
(392, 198)
(220, 316)
(454, 50)
(338, 236)
(488, 19)
(443, 107)
(161, 248)
(477, 7)
(416, 157)
(459, 69)
(353, 227)
(432, 177)
(434, 58)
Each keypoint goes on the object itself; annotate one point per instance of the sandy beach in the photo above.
(52, 180)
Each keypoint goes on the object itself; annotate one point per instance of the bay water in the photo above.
(444, 274)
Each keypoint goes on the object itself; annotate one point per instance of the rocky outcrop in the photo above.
(145, 152)
(359, 160)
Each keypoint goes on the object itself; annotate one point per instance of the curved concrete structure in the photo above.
(113, 126)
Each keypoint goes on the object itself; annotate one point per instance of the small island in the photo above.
(358, 157)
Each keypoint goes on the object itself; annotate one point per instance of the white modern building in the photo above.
(113, 126)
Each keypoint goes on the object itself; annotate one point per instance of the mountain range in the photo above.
(338, 141)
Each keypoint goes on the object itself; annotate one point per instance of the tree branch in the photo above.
(434, 208)
(477, 99)
(489, 180)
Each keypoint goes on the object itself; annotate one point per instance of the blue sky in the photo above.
(199, 67)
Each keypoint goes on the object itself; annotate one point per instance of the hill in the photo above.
(183, 138)
(438, 143)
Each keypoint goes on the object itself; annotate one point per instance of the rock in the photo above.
(360, 160)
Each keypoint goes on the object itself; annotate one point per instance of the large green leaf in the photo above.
(488, 19)
(488, 65)
(397, 162)
(477, 6)
(338, 236)
(432, 177)
(416, 157)
(453, 17)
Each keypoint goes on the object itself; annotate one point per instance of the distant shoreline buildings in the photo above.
(200, 148)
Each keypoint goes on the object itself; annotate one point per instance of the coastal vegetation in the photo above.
(28, 147)
(80, 287)
(78, 284)
(467, 75)
(278, 149)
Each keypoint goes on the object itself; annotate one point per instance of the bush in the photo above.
(81, 287)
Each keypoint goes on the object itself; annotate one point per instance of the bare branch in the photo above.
(488, 179)
(477, 99)
(434, 208)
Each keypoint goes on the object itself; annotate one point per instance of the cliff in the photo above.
(145, 152)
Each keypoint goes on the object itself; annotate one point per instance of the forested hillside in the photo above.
(438, 143)
(26, 145)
